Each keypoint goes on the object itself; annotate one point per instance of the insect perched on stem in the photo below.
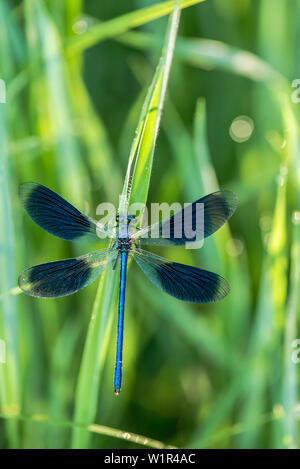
(54, 279)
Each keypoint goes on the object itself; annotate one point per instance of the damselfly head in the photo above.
(125, 219)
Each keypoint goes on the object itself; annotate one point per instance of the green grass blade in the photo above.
(95, 351)
(264, 354)
(55, 117)
(289, 392)
(141, 157)
(207, 54)
(11, 53)
(195, 329)
(95, 138)
(102, 430)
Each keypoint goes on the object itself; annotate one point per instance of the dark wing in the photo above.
(55, 215)
(183, 227)
(182, 281)
(61, 278)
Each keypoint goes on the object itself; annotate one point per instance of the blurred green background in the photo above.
(213, 376)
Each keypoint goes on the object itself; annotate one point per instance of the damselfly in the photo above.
(55, 279)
